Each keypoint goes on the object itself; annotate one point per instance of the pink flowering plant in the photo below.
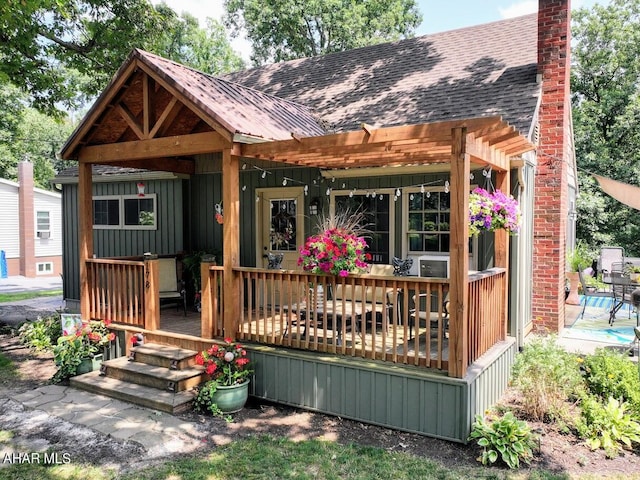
(489, 212)
(334, 251)
(226, 364)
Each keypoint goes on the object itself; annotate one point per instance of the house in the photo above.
(31, 240)
(403, 130)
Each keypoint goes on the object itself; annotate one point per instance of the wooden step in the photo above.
(165, 401)
(168, 356)
(154, 376)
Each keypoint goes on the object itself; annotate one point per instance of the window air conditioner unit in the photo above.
(434, 268)
(44, 234)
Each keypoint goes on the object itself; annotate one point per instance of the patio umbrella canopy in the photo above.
(623, 192)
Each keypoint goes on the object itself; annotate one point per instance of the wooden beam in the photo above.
(190, 103)
(459, 255)
(151, 297)
(85, 234)
(131, 120)
(231, 241)
(97, 109)
(180, 145)
(437, 131)
(175, 165)
(166, 118)
(501, 249)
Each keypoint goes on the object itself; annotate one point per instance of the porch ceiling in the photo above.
(490, 141)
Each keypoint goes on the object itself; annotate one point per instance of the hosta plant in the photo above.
(506, 438)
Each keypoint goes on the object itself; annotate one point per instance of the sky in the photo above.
(438, 15)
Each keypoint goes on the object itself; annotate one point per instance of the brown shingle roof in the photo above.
(487, 69)
(240, 109)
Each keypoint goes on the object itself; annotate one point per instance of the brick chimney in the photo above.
(27, 220)
(554, 160)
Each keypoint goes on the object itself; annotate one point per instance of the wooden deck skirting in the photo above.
(384, 319)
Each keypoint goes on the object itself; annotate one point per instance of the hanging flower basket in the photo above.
(334, 251)
(489, 212)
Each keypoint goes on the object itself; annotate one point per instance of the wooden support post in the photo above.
(151, 295)
(206, 301)
(85, 234)
(502, 250)
(230, 242)
(459, 255)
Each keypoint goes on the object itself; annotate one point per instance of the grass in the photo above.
(7, 370)
(266, 457)
(15, 297)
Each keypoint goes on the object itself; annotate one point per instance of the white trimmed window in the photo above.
(43, 224)
(125, 212)
(44, 268)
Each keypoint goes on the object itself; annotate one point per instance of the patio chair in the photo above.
(589, 291)
(608, 257)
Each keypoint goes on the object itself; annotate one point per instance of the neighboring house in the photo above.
(31, 237)
(403, 130)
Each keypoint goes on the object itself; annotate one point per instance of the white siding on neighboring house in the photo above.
(50, 202)
(9, 221)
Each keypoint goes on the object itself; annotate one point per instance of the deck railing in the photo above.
(393, 319)
(117, 290)
(487, 311)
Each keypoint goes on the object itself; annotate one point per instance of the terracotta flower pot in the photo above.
(574, 282)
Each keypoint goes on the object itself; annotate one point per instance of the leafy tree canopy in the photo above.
(606, 113)
(287, 29)
(62, 52)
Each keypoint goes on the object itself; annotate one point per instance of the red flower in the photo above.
(199, 359)
(211, 368)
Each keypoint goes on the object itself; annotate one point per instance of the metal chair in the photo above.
(608, 257)
(589, 292)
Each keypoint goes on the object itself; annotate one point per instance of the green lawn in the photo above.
(7, 369)
(15, 297)
(269, 458)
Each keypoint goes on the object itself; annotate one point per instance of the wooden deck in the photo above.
(174, 321)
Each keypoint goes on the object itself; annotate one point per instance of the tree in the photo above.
(286, 29)
(206, 49)
(606, 112)
(26, 134)
(57, 48)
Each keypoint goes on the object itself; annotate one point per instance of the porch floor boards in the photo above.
(271, 330)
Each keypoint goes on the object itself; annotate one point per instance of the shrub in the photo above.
(546, 377)
(607, 426)
(41, 334)
(608, 373)
(506, 438)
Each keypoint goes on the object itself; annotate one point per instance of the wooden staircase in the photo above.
(156, 376)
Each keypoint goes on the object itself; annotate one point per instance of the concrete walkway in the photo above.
(82, 420)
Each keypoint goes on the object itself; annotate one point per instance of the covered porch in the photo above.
(394, 333)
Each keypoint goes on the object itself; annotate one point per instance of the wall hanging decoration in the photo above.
(219, 213)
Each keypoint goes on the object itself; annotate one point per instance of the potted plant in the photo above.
(229, 372)
(339, 248)
(634, 273)
(489, 212)
(577, 260)
(80, 352)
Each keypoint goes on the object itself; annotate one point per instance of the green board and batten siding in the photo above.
(166, 239)
(399, 397)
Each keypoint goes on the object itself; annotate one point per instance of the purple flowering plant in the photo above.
(492, 211)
